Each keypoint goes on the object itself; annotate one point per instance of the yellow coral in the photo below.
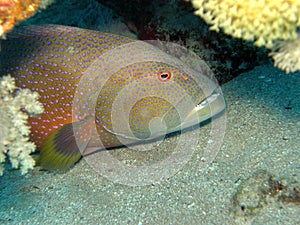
(287, 57)
(262, 21)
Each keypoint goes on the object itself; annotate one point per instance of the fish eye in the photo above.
(164, 76)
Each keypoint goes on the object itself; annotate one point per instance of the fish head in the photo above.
(155, 100)
(148, 97)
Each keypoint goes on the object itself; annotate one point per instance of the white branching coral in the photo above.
(15, 107)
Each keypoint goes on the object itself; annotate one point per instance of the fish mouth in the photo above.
(207, 108)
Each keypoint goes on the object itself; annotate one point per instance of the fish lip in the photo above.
(208, 101)
(207, 108)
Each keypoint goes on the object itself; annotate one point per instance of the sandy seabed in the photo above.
(254, 179)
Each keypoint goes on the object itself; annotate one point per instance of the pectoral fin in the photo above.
(59, 150)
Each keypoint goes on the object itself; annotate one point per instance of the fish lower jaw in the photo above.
(211, 106)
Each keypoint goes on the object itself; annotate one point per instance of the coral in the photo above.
(286, 55)
(271, 24)
(263, 21)
(14, 130)
(14, 11)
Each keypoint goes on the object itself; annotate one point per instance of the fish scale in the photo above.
(49, 60)
(98, 88)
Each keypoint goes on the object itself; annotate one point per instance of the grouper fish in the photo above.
(102, 90)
